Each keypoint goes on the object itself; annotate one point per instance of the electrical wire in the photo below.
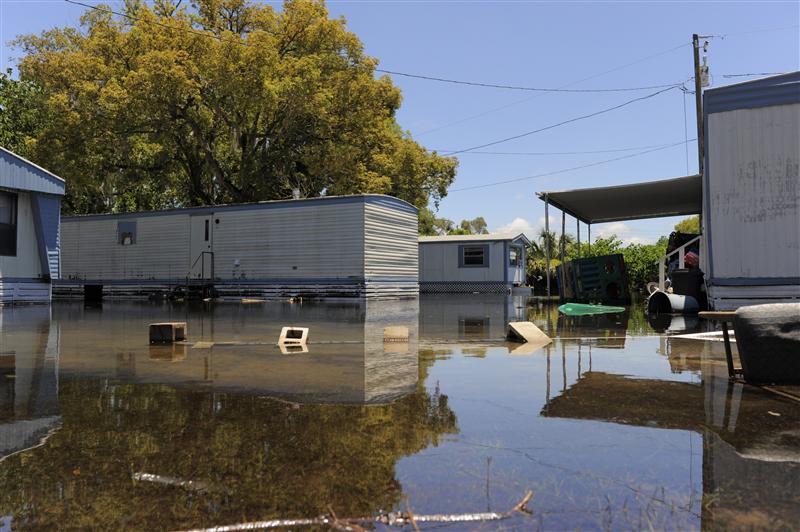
(570, 84)
(752, 74)
(565, 170)
(521, 88)
(613, 150)
(571, 120)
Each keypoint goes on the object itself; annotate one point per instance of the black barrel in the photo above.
(687, 282)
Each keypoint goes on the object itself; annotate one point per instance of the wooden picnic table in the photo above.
(724, 317)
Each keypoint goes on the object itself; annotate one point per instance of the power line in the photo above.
(552, 126)
(565, 170)
(521, 88)
(752, 74)
(613, 150)
(517, 102)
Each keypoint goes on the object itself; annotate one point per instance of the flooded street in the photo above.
(616, 425)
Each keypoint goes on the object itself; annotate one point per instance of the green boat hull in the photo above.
(581, 309)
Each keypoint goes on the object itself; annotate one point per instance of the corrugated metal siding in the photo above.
(313, 240)
(91, 251)
(20, 174)
(390, 243)
(754, 192)
(439, 263)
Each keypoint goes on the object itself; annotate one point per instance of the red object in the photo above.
(691, 260)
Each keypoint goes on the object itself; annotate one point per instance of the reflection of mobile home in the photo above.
(232, 348)
(28, 377)
(472, 263)
(30, 199)
(351, 246)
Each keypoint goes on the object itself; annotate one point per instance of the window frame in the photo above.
(462, 249)
(126, 227)
(12, 228)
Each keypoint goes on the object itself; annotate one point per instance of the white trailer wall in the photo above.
(350, 246)
(752, 192)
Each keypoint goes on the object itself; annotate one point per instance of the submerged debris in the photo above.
(398, 519)
(169, 481)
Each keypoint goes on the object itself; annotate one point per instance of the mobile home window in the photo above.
(514, 255)
(126, 233)
(8, 224)
(473, 256)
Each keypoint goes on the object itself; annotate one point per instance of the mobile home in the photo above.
(748, 195)
(30, 207)
(345, 246)
(751, 192)
(492, 263)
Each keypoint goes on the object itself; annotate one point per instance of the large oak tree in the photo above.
(218, 101)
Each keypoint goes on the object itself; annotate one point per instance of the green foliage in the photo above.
(641, 259)
(476, 226)
(430, 225)
(260, 458)
(19, 120)
(219, 101)
(689, 225)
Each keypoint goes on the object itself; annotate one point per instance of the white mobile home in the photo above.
(492, 263)
(751, 192)
(346, 246)
(30, 207)
(748, 195)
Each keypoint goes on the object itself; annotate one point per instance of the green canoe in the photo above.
(580, 309)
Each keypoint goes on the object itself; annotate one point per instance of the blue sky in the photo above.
(540, 44)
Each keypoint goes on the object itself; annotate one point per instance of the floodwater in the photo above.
(616, 425)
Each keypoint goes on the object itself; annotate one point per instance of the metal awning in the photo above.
(655, 199)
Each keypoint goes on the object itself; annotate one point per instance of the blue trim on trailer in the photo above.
(775, 90)
(182, 281)
(505, 262)
(41, 246)
(373, 199)
(14, 162)
(754, 281)
(462, 282)
(23, 280)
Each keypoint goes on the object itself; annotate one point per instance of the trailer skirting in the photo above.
(14, 291)
(268, 289)
(465, 287)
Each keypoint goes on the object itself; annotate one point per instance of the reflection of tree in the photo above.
(261, 458)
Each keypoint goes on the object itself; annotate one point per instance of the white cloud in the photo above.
(623, 231)
(518, 225)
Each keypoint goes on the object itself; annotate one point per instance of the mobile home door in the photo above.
(201, 254)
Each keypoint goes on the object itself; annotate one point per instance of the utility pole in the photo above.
(700, 74)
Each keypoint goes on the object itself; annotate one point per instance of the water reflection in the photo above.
(750, 439)
(611, 425)
(28, 378)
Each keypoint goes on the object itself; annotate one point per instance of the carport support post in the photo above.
(547, 241)
(563, 276)
(578, 225)
(589, 240)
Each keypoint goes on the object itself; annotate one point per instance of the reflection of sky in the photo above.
(571, 465)
(585, 473)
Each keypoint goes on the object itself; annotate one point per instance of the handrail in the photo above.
(681, 251)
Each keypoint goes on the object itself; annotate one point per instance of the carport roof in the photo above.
(653, 199)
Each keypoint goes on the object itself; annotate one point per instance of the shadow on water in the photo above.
(612, 425)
